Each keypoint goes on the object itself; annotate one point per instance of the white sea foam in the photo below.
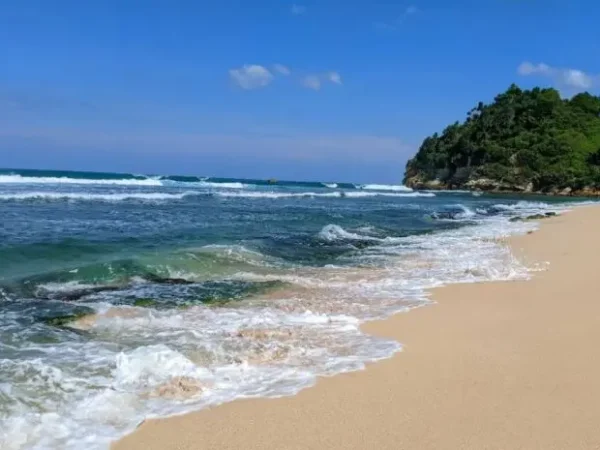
(66, 287)
(97, 391)
(149, 181)
(385, 187)
(330, 185)
(275, 195)
(527, 206)
(18, 179)
(85, 196)
(233, 185)
(407, 194)
(337, 194)
(335, 232)
(466, 214)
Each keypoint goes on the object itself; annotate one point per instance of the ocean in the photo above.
(125, 297)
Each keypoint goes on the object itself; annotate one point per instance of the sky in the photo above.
(303, 90)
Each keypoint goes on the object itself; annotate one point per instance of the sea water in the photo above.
(124, 297)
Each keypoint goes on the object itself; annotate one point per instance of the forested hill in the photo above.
(526, 140)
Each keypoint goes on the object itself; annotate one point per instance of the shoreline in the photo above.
(571, 195)
(491, 365)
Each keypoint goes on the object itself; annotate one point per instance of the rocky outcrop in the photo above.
(524, 141)
(489, 185)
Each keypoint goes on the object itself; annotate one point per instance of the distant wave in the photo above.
(154, 181)
(89, 178)
(388, 194)
(75, 196)
(211, 184)
(384, 187)
(14, 179)
(275, 195)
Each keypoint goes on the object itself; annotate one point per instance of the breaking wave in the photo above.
(389, 194)
(275, 195)
(18, 179)
(385, 187)
(83, 196)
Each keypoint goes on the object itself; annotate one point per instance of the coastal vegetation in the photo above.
(524, 141)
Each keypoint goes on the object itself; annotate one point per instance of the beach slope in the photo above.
(511, 365)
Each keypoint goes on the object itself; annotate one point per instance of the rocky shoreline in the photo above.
(493, 186)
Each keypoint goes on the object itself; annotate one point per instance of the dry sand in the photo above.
(511, 365)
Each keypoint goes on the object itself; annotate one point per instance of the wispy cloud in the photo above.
(298, 10)
(334, 77)
(573, 79)
(316, 81)
(251, 76)
(412, 9)
(312, 82)
(256, 76)
(281, 69)
(393, 25)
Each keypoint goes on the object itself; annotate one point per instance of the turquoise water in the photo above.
(129, 296)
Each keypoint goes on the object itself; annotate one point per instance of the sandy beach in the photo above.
(510, 365)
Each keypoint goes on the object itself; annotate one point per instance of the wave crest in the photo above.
(19, 179)
(385, 187)
(82, 196)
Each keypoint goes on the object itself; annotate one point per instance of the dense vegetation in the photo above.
(526, 140)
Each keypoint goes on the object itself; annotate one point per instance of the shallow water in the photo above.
(124, 297)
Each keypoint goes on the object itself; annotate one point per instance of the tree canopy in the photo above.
(524, 140)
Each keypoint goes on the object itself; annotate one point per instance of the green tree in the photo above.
(523, 136)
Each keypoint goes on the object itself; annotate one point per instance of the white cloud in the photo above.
(251, 76)
(334, 77)
(254, 76)
(315, 81)
(282, 70)
(528, 68)
(298, 9)
(578, 79)
(312, 82)
(412, 9)
(573, 79)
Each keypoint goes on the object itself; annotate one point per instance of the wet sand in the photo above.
(511, 365)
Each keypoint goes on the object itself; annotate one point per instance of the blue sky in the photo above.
(326, 90)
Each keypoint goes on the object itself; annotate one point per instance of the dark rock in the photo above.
(144, 302)
(165, 280)
(77, 294)
(533, 217)
(64, 320)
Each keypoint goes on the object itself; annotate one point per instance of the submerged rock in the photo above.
(534, 217)
(63, 321)
(144, 302)
(166, 280)
(74, 294)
